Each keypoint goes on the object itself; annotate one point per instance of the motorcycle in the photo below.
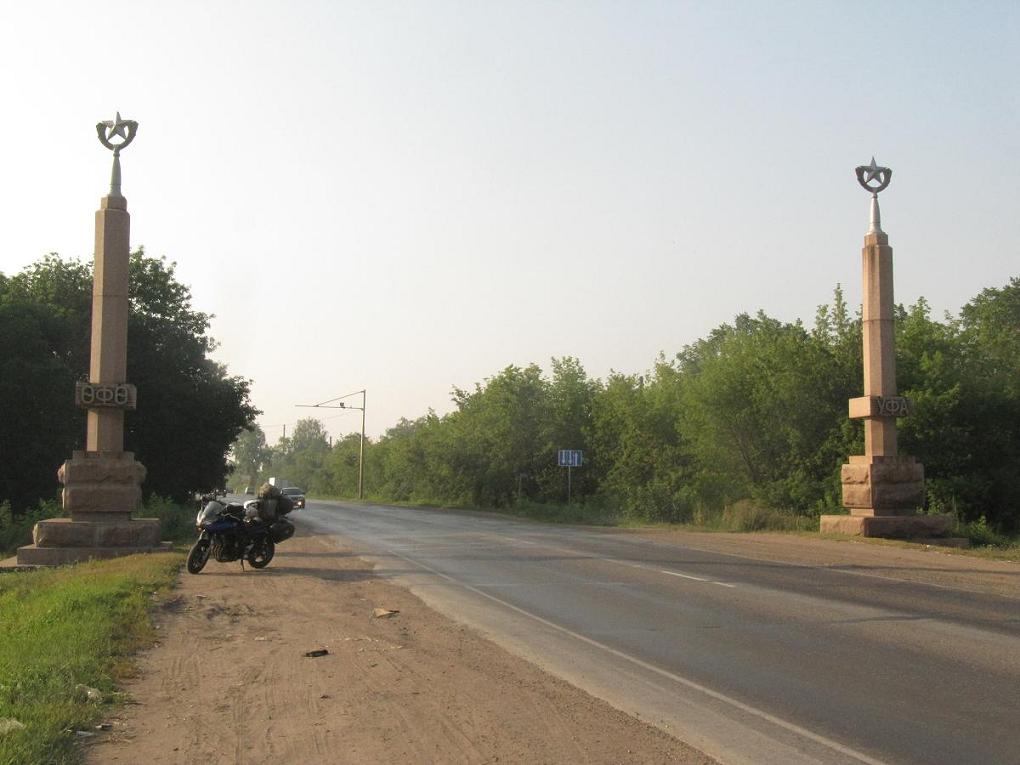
(228, 531)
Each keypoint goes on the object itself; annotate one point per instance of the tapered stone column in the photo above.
(103, 483)
(882, 489)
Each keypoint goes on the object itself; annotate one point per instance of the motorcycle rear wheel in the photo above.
(199, 555)
(262, 554)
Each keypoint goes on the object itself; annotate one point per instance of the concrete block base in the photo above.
(888, 526)
(32, 555)
(123, 532)
(101, 482)
(882, 486)
(101, 490)
(62, 540)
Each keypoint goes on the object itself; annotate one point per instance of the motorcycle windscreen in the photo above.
(209, 513)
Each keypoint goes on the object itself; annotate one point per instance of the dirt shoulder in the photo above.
(877, 558)
(229, 682)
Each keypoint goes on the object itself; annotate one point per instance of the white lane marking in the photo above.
(683, 576)
(746, 708)
(666, 571)
(616, 561)
(835, 568)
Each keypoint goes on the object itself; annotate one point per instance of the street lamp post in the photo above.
(332, 404)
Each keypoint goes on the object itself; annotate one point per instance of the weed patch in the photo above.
(16, 530)
(63, 629)
(981, 534)
(177, 522)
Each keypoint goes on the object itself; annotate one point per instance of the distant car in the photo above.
(297, 496)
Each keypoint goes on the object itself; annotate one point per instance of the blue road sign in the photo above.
(570, 457)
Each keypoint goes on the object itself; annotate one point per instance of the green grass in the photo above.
(740, 516)
(67, 626)
(580, 514)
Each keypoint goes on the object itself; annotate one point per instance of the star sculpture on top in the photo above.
(873, 178)
(115, 128)
(107, 131)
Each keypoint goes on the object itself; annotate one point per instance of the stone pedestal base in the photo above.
(63, 540)
(888, 526)
(881, 486)
(99, 483)
(33, 555)
(101, 490)
(883, 495)
(65, 532)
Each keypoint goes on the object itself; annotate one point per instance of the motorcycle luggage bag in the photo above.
(272, 508)
(281, 530)
(273, 503)
(267, 510)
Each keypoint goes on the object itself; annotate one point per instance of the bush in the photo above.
(177, 522)
(747, 516)
(16, 530)
(979, 533)
(654, 502)
(591, 513)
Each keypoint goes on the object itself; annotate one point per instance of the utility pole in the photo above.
(332, 404)
(361, 451)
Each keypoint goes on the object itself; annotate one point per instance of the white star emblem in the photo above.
(872, 170)
(118, 125)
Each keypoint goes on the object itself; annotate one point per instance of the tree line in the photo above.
(756, 411)
(190, 410)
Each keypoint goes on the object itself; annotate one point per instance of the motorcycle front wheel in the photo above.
(260, 556)
(199, 555)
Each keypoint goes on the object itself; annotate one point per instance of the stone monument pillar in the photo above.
(103, 483)
(882, 488)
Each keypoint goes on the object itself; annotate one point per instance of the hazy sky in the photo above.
(408, 196)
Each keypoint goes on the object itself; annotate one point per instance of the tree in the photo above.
(44, 329)
(301, 459)
(762, 399)
(190, 409)
(570, 398)
(640, 460)
(340, 467)
(251, 454)
(962, 376)
(39, 419)
(756, 410)
(501, 433)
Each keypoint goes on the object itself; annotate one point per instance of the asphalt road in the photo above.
(751, 661)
